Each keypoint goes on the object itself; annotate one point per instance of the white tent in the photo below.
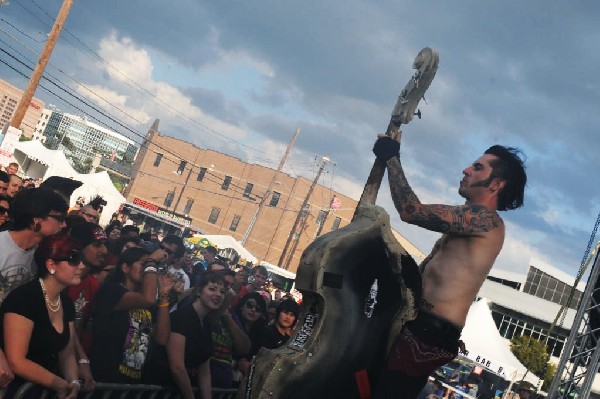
(35, 161)
(486, 346)
(223, 241)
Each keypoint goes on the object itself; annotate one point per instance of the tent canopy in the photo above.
(38, 161)
(486, 346)
(222, 242)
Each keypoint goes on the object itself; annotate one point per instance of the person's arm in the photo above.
(17, 334)
(67, 364)
(176, 358)
(6, 374)
(241, 341)
(85, 372)
(463, 219)
(204, 380)
(162, 330)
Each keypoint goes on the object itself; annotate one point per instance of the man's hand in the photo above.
(387, 147)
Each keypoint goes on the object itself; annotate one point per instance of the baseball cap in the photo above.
(87, 233)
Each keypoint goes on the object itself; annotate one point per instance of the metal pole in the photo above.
(41, 65)
(299, 217)
(269, 189)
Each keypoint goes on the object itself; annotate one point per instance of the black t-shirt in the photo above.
(271, 338)
(198, 347)
(45, 342)
(121, 338)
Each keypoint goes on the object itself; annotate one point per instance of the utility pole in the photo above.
(300, 213)
(269, 188)
(186, 180)
(41, 65)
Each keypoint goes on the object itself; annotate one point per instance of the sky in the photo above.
(240, 77)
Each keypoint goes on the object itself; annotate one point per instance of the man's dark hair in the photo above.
(173, 239)
(4, 178)
(211, 249)
(218, 262)
(127, 228)
(34, 203)
(510, 167)
(260, 269)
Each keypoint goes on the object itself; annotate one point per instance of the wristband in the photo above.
(76, 382)
(150, 269)
(83, 361)
(163, 305)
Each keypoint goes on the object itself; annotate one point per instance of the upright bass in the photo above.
(359, 287)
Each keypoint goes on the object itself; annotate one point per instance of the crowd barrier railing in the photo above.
(122, 391)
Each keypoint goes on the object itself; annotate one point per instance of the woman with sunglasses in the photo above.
(128, 316)
(250, 314)
(37, 318)
(4, 208)
(185, 361)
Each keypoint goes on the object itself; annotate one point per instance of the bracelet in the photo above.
(83, 361)
(163, 305)
(163, 296)
(150, 269)
(76, 382)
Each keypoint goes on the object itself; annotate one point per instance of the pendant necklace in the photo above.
(54, 307)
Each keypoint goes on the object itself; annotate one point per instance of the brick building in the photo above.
(9, 99)
(178, 184)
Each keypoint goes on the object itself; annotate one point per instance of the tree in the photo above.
(549, 375)
(531, 352)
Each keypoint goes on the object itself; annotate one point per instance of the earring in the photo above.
(52, 271)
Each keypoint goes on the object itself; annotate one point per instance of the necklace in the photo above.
(54, 307)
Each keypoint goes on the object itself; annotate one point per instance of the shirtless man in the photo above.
(472, 237)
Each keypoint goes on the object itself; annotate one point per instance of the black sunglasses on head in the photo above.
(253, 306)
(74, 259)
(3, 210)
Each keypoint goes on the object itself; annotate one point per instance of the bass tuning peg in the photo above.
(418, 113)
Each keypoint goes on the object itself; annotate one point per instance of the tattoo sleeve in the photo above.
(462, 219)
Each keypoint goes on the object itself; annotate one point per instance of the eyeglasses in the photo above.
(59, 218)
(3, 210)
(167, 250)
(74, 259)
(95, 217)
(253, 306)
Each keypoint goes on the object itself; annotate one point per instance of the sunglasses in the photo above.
(3, 210)
(253, 306)
(58, 218)
(95, 217)
(167, 250)
(74, 259)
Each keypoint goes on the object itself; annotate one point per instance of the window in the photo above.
(336, 223)
(234, 222)
(188, 206)
(226, 182)
(214, 215)
(274, 199)
(169, 198)
(248, 189)
(181, 167)
(201, 174)
(158, 159)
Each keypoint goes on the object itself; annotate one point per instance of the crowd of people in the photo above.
(83, 303)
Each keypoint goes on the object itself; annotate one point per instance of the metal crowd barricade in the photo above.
(124, 391)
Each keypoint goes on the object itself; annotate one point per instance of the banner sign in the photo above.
(186, 221)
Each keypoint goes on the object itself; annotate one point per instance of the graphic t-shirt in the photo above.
(121, 337)
(221, 367)
(16, 265)
(83, 296)
(45, 342)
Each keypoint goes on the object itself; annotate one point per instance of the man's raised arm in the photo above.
(463, 219)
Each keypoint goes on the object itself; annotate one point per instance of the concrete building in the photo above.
(81, 139)
(9, 99)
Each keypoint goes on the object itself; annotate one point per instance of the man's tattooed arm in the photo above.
(462, 219)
